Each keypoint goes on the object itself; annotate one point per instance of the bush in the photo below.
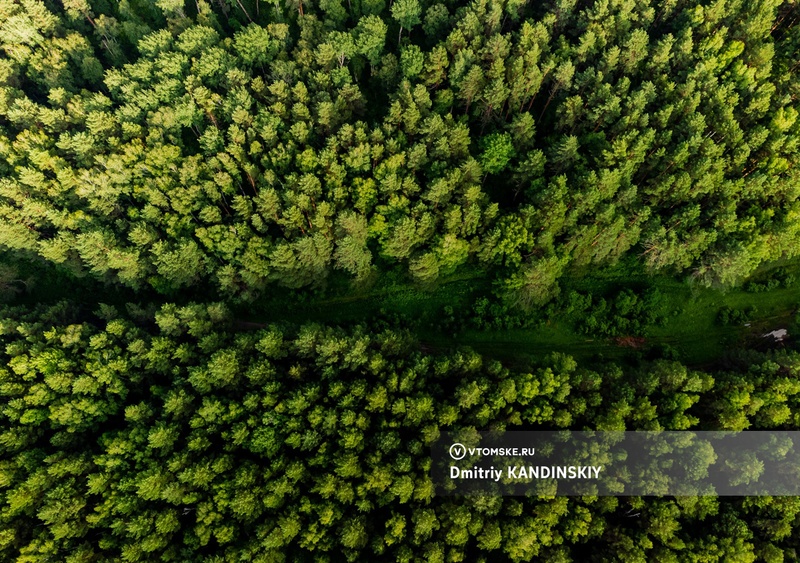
(774, 279)
(626, 313)
(729, 316)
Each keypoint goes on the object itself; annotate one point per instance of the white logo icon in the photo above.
(458, 451)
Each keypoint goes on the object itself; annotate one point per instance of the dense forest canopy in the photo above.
(167, 165)
(190, 441)
(243, 144)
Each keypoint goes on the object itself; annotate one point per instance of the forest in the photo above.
(256, 256)
(168, 436)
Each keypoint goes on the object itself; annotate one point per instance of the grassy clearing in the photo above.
(691, 330)
(698, 336)
(388, 295)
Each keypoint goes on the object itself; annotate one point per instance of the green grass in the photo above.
(691, 329)
(699, 338)
(389, 294)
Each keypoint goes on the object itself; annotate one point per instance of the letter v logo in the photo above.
(458, 451)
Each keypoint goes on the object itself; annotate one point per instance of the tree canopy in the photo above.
(172, 437)
(190, 160)
(239, 145)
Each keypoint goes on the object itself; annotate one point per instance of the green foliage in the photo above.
(235, 147)
(779, 277)
(411, 61)
(728, 315)
(535, 284)
(189, 440)
(625, 314)
(407, 13)
(216, 145)
(497, 150)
